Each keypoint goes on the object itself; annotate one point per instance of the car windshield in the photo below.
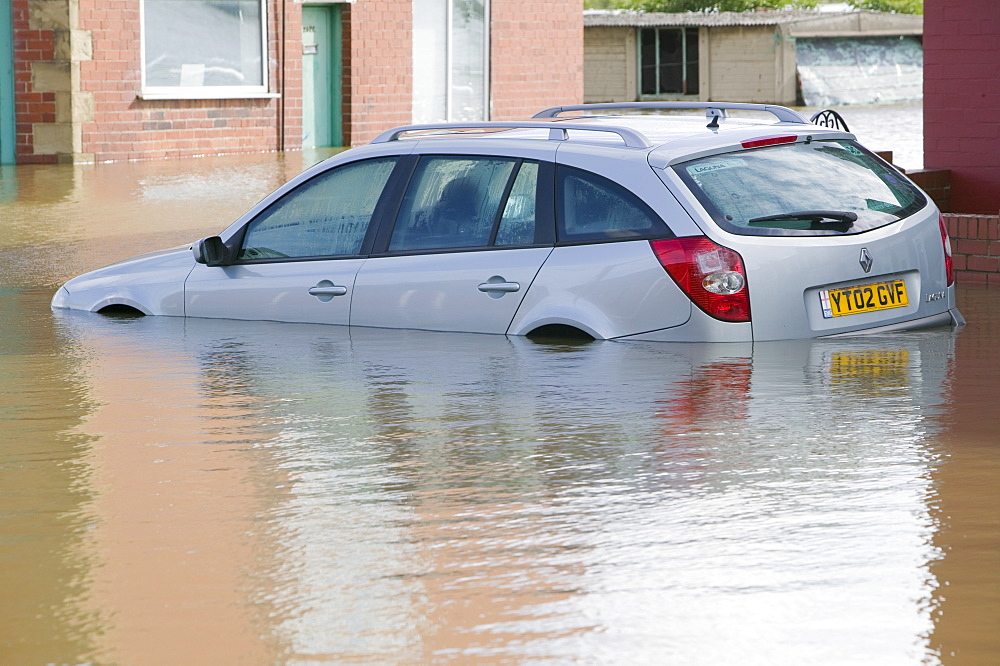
(801, 189)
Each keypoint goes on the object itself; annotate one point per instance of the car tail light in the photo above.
(768, 141)
(711, 275)
(949, 264)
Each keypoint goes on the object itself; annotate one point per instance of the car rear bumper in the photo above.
(950, 317)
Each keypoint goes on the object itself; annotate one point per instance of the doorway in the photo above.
(321, 76)
(7, 119)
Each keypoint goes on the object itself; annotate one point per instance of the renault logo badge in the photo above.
(865, 260)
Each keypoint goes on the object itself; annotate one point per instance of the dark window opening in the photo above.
(668, 61)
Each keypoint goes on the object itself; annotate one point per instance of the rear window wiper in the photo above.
(834, 217)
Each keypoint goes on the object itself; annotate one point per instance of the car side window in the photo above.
(517, 224)
(325, 216)
(590, 207)
(456, 202)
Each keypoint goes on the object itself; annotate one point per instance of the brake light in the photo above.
(949, 264)
(711, 275)
(768, 141)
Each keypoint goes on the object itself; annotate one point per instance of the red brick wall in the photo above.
(377, 83)
(128, 127)
(961, 94)
(30, 107)
(536, 49)
(536, 61)
(124, 126)
(975, 244)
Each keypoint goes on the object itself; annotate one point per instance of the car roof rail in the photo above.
(558, 131)
(713, 110)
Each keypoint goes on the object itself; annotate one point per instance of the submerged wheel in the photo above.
(559, 333)
(119, 310)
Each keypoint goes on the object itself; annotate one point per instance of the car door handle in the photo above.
(326, 290)
(499, 287)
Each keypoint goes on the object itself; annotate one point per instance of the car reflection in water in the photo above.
(405, 496)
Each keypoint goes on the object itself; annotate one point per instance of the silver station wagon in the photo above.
(613, 221)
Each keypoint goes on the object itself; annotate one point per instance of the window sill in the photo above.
(670, 97)
(214, 94)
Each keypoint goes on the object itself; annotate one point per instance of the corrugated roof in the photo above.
(631, 19)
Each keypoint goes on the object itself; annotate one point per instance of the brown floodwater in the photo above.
(197, 491)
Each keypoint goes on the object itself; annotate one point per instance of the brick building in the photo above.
(103, 80)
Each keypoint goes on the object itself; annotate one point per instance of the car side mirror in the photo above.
(211, 251)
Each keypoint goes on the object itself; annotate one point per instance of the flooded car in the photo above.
(643, 227)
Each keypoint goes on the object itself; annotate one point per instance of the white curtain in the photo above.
(450, 64)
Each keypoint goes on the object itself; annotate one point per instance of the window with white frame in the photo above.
(450, 60)
(203, 48)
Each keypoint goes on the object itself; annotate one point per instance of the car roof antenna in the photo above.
(715, 115)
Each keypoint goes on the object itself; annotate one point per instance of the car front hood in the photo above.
(151, 283)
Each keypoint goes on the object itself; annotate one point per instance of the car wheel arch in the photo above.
(527, 328)
(120, 305)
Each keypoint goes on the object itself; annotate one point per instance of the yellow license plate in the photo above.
(864, 298)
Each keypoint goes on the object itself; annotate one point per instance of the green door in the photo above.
(7, 136)
(321, 76)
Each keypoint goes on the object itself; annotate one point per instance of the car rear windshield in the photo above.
(801, 189)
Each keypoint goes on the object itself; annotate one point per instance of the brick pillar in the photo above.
(961, 91)
(49, 104)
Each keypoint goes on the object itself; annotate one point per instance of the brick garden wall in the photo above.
(975, 239)
(975, 244)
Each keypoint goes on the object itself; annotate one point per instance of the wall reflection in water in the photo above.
(966, 501)
(62, 220)
(275, 493)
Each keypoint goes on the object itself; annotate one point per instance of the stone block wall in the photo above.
(609, 65)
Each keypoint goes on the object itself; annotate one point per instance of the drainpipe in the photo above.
(284, 73)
